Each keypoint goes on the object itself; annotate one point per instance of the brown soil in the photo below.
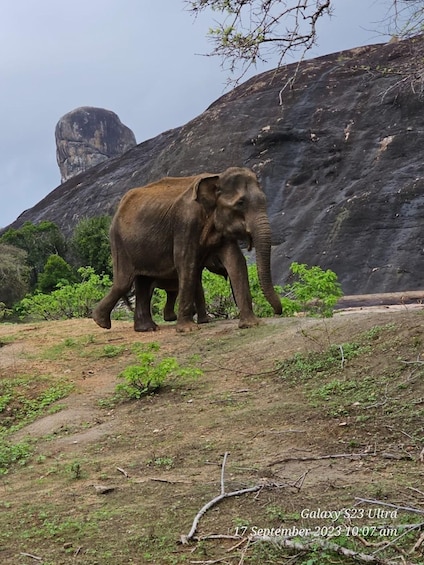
(161, 456)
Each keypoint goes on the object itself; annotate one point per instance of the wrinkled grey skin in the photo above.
(168, 230)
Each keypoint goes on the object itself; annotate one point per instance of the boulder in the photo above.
(88, 136)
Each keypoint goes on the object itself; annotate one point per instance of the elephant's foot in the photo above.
(101, 320)
(148, 326)
(203, 319)
(248, 322)
(187, 326)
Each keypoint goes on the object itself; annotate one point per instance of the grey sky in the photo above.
(141, 59)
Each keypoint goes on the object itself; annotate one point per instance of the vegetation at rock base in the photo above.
(61, 290)
(75, 300)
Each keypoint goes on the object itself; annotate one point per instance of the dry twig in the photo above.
(186, 538)
(36, 557)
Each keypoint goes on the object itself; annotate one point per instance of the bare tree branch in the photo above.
(250, 31)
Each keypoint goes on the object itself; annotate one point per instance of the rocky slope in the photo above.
(339, 152)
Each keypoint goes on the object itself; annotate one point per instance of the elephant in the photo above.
(144, 290)
(169, 229)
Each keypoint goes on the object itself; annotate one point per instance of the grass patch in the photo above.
(369, 380)
(22, 400)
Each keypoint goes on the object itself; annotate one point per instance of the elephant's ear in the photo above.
(206, 191)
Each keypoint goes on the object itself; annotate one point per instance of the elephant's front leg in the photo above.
(233, 260)
(143, 321)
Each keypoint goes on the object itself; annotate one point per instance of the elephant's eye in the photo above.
(240, 202)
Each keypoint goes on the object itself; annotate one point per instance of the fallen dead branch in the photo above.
(36, 557)
(311, 544)
(390, 505)
(319, 457)
(186, 538)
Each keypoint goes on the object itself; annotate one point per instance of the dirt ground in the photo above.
(121, 482)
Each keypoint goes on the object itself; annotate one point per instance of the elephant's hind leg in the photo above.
(169, 314)
(143, 321)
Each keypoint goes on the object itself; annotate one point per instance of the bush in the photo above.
(315, 291)
(149, 374)
(68, 301)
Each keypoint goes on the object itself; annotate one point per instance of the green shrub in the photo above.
(13, 452)
(69, 301)
(149, 374)
(314, 291)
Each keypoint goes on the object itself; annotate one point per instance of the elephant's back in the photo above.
(159, 193)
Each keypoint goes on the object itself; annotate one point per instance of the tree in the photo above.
(252, 30)
(39, 241)
(90, 242)
(14, 274)
(56, 270)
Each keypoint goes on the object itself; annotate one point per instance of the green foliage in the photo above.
(304, 366)
(69, 301)
(20, 404)
(218, 295)
(158, 303)
(14, 276)
(39, 241)
(315, 291)
(12, 453)
(149, 374)
(56, 272)
(90, 243)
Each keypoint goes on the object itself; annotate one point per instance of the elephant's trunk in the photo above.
(261, 236)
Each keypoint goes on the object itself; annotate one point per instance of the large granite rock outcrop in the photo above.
(88, 136)
(339, 154)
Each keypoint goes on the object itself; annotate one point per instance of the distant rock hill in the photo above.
(339, 151)
(88, 136)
